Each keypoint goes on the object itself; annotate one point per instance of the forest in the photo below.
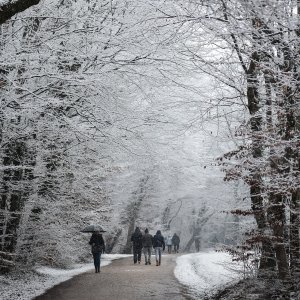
(180, 115)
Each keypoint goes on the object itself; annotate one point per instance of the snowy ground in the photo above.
(205, 273)
(26, 286)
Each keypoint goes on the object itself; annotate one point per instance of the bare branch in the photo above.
(11, 8)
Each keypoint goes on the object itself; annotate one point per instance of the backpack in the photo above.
(97, 248)
(158, 241)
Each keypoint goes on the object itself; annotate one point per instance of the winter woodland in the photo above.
(178, 115)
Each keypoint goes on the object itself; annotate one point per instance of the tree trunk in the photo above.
(267, 261)
(133, 212)
(295, 201)
(17, 170)
(295, 233)
(276, 214)
(201, 221)
(10, 9)
(192, 240)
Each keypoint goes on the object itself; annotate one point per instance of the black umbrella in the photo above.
(93, 228)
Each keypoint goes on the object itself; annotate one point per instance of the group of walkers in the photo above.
(140, 242)
(173, 241)
(146, 242)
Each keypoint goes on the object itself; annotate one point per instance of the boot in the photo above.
(157, 263)
(149, 262)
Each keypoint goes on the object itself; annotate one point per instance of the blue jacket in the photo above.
(159, 241)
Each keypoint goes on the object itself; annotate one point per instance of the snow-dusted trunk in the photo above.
(133, 210)
(17, 175)
(286, 164)
(276, 216)
(295, 200)
(256, 185)
(295, 233)
(201, 219)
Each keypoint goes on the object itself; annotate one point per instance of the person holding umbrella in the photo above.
(97, 243)
(98, 247)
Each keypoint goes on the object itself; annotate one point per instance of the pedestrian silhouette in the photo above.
(137, 245)
(147, 246)
(169, 243)
(98, 247)
(176, 242)
(159, 246)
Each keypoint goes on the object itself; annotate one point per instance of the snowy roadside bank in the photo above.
(27, 285)
(205, 273)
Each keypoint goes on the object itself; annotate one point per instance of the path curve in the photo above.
(122, 280)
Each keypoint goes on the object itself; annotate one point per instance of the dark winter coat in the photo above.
(158, 241)
(136, 239)
(147, 240)
(175, 239)
(97, 243)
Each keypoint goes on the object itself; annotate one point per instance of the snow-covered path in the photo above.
(122, 280)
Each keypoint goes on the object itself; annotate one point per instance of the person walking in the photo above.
(137, 245)
(98, 247)
(159, 246)
(176, 242)
(147, 246)
(169, 243)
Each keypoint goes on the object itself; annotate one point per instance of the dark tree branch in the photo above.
(11, 8)
(235, 42)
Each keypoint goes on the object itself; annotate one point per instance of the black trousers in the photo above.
(137, 254)
(176, 247)
(97, 258)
